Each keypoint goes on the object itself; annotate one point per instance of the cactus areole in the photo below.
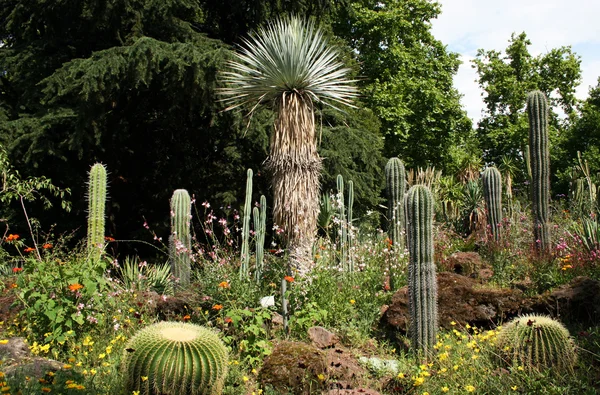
(422, 282)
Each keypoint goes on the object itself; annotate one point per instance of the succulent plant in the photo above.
(260, 227)
(174, 358)
(539, 152)
(537, 342)
(245, 251)
(180, 241)
(492, 193)
(395, 176)
(422, 282)
(96, 211)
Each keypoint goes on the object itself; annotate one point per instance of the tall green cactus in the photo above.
(350, 233)
(537, 342)
(245, 253)
(97, 186)
(343, 223)
(395, 176)
(174, 358)
(260, 227)
(537, 110)
(180, 241)
(422, 282)
(492, 193)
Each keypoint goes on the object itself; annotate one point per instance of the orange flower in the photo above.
(29, 249)
(186, 317)
(223, 284)
(75, 287)
(289, 279)
(47, 246)
(12, 237)
(108, 238)
(388, 241)
(17, 269)
(217, 307)
(228, 320)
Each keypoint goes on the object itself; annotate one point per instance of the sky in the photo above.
(467, 25)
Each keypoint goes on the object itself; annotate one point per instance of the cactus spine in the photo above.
(174, 358)
(245, 254)
(422, 282)
(260, 227)
(180, 241)
(537, 110)
(395, 176)
(492, 192)
(96, 210)
(537, 342)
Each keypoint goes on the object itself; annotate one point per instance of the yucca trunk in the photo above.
(295, 167)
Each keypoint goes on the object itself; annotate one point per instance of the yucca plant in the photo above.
(289, 66)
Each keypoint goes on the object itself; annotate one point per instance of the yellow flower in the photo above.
(245, 378)
(469, 388)
(352, 301)
(400, 375)
(418, 381)
(144, 378)
(44, 389)
(514, 388)
(93, 371)
(321, 377)
(521, 368)
(6, 389)
(4, 341)
(445, 389)
(452, 323)
(136, 393)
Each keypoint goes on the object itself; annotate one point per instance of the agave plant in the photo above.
(289, 66)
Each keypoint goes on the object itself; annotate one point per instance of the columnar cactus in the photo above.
(173, 358)
(245, 253)
(180, 241)
(260, 227)
(395, 176)
(492, 193)
(349, 234)
(422, 282)
(96, 211)
(537, 110)
(537, 342)
(343, 224)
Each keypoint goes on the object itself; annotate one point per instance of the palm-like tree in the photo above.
(289, 66)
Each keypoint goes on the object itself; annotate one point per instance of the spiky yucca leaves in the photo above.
(395, 183)
(422, 282)
(180, 241)
(537, 342)
(97, 186)
(537, 111)
(492, 193)
(177, 358)
(289, 66)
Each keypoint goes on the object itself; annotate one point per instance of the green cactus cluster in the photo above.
(539, 153)
(345, 222)
(492, 193)
(537, 342)
(97, 186)
(174, 358)
(180, 240)
(245, 250)
(422, 282)
(395, 176)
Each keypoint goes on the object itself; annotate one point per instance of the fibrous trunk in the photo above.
(295, 167)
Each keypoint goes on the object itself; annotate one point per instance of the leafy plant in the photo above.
(140, 276)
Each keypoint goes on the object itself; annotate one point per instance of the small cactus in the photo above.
(174, 358)
(492, 193)
(537, 342)
(96, 211)
(422, 282)
(395, 176)
(180, 241)
(539, 152)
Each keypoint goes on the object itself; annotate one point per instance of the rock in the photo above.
(577, 301)
(294, 367)
(468, 264)
(357, 391)
(321, 337)
(15, 350)
(16, 359)
(343, 370)
(462, 300)
(277, 319)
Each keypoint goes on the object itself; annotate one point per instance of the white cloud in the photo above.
(467, 25)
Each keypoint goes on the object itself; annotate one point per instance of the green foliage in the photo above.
(395, 176)
(97, 185)
(247, 213)
(408, 77)
(180, 240)
(249, 334)
(537, 342)
(537, 110)
(492, 192)
(140, 276)
(422, 282)
(175, 357)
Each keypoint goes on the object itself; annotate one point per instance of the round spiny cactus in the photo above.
(175, 358)
(537, 342)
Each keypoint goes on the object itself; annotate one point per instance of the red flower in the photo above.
(186, 317)
(289, 279)
(29, 249)
(47, 246)
(108, 238)
(12, 237)
(17, 269)
(228, 320)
